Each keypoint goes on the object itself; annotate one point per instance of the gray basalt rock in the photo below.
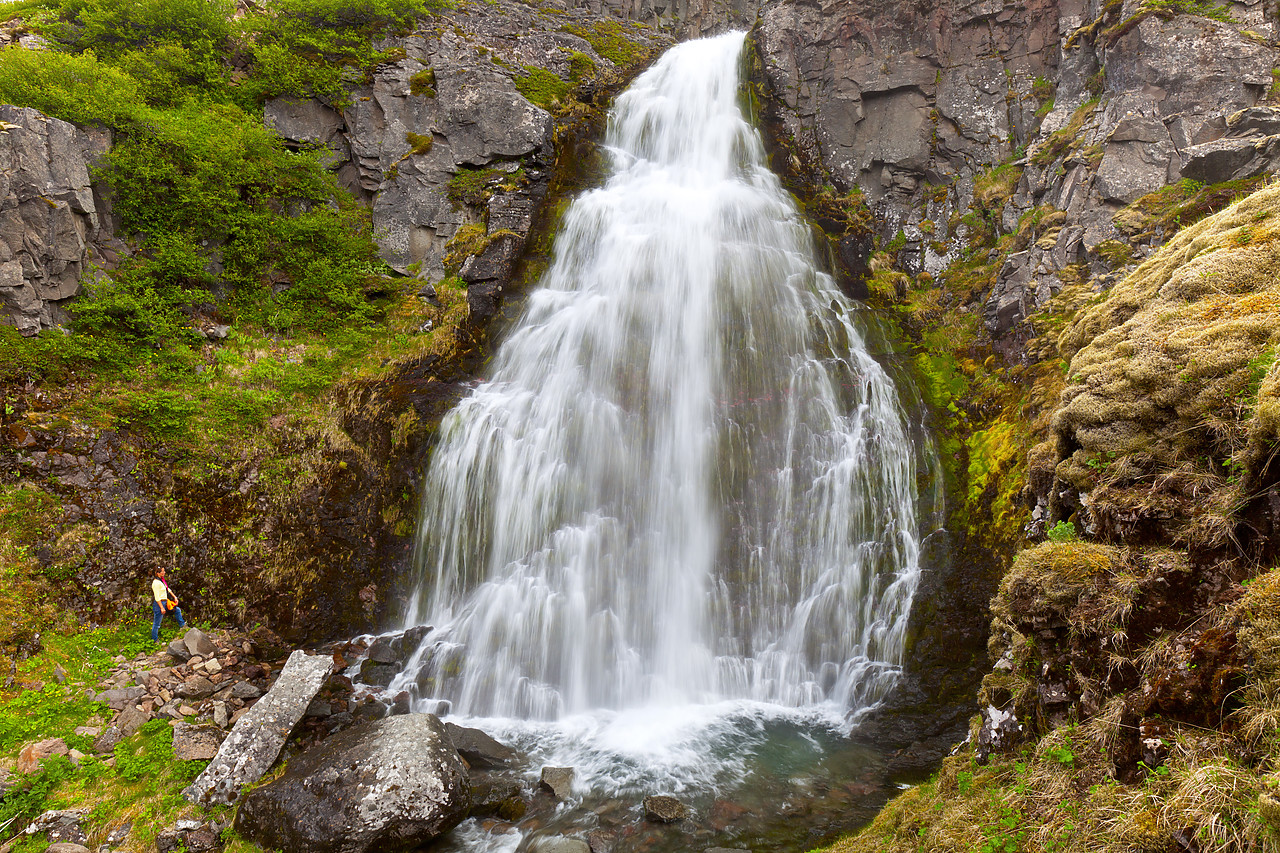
(257, 737)
(557, 780)
(449, 106)
(661, 808)
(389, 785)
(912, 104)
(192, 743)
(198, 643)
(51, 225)
(478, 748)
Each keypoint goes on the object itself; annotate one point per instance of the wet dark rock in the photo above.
(558, 844)
(557, 780)
(369, 709)
(478, 749)
(602, 841)
(389, 785)
(661, 808)
(414, 637)
(497, 795)
(377, 674)
(386, 651)
(401, 704)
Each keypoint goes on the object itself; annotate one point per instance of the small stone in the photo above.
(32, 754)
(601, 841)
(107, 740)
(220, 715)
(198, 643)
(245, 690)
(192, 743)
(76, 756)
(478, 748)
(130, 720)
(178, 650)
(557, 780)
(558, 844)
(66, 847)
(186, 711)
(59, 674)
(212, 665)
(87, 731)
(664, 809)
(197, 687)
(120, 833)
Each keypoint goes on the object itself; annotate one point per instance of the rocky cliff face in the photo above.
(53, 226)
(1034, 183)
(1098, 104)
(446, 140)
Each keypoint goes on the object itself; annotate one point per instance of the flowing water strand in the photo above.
(686, 481)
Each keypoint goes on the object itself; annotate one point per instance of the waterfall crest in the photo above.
(686, 481)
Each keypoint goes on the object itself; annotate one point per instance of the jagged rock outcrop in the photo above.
(913, 105)
(52, 226)
(690, 18)
(452, 110)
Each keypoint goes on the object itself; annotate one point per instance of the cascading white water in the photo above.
(686, 481)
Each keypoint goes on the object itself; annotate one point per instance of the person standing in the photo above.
(163, 601)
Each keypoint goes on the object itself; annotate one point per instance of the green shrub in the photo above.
(75, 88)
(1063, 531)
(300, 47)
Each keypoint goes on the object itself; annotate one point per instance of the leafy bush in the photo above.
(1063, 531)
(75, 88)
(301, 47)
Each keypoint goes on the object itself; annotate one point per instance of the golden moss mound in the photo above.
(1173, 397)
(1047, 580)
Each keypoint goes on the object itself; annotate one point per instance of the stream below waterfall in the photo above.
(673, 540)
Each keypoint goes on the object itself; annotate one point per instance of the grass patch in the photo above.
(609, 40)
(543, 87)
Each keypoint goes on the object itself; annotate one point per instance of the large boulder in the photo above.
(257, 738)
(389, 785)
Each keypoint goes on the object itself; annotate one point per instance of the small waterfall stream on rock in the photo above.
(672, 540)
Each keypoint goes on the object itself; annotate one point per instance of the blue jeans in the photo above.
(157, 616)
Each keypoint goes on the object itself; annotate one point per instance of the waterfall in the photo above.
(685, 481)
